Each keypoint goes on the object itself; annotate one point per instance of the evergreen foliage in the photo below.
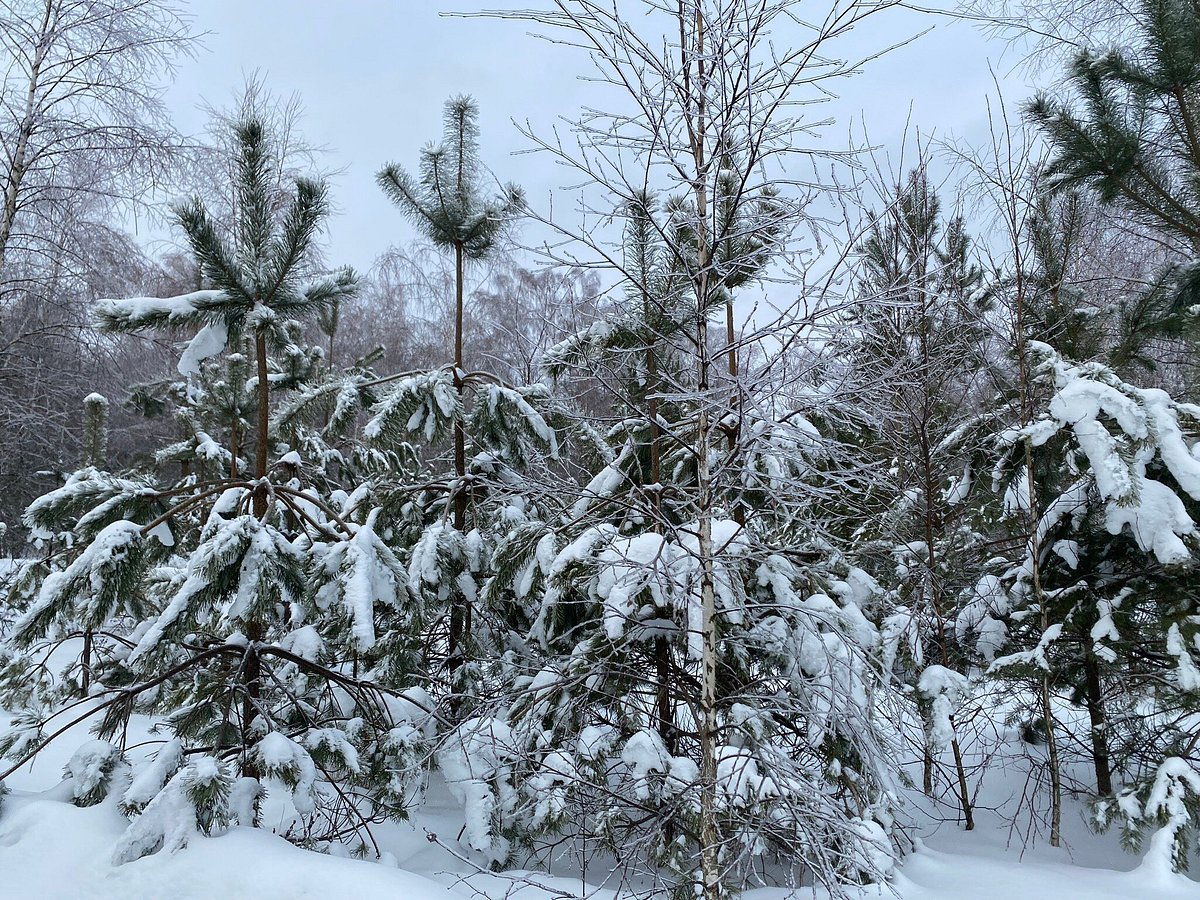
(705, 627)
(1133, 137)
(446, 200)
(248, 605)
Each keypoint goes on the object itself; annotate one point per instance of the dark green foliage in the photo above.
(1133, 137)
(261, 280)
(446, 199)
(95, 429)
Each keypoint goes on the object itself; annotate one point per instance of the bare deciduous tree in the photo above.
(81, 108)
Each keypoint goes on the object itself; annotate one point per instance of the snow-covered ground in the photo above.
(53, 850)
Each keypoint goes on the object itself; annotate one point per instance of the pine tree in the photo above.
(448, 203)
(916, 344)
(762, 745)
(1117, 488)
(1132, 137)
(255, 608)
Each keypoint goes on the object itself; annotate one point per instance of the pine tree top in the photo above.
(446, 200)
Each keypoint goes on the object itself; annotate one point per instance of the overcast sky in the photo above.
(373, 74)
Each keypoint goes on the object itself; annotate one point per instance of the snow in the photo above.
(195, 582)
(630, 566)
(208, 342)
(425, 564)
(596, 741)
(1068, 552)
(169, 823)
(1088, 397)
(495, 397)
(289, 774)
(1082, 400)
(1182, 462)
(53, 850)
(739, 782)
(146, 820)
(644, 754)
(1186, 672)
(476, 761)
(960, 488)
(604, 484)
(945, 689)
(157, 772)
(575, 350)
(244, 864)
(87, 575)
(361, 572)
(89, 769)
(983, 614)
(133, 312)
(580, 548)
(1166, 802)
(425, 402)
(1158, 521)
(1036, 656)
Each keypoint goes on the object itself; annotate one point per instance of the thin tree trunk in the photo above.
(1021, 342)
(1035, 554)
(19, 165)
(710, 873)
(1052, 760)
(739, 511)
(252, 667)
(86, 675)
(234, 448)
(964, 796)
(930, 486)
(261, 455)
(662, 646)
(1099, 722)
(709, 835)
(460, 611)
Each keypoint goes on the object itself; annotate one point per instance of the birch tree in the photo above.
(82, 115)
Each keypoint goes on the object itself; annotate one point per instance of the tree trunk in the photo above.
(929, 487)
(252, 678)
(1095, 707)
(662, 646)
(86, 673)
(739, 511)
(710, 873)
(252, 666)
(234, 448)
(1052, 760)
(460, 611)
(709, 835)
(1026, 398)
(19, 156)
(261, 455)
(964, 796)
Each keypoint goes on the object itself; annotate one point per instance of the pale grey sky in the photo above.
(373, 75)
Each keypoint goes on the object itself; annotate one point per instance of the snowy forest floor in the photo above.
(53, 850)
